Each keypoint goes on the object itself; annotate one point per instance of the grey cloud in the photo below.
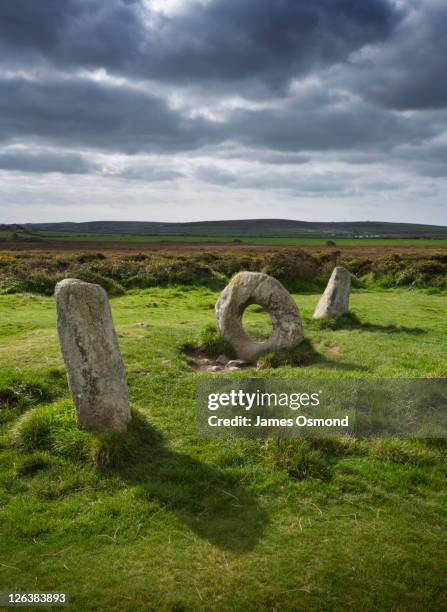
(315, 184)
(381, 185)
(94, 114)
(216, 176)
(72, 33)
(78, 112)
(45, 161)
(348, 109)
(234, 40)
(354, 125)
(420, 155)
(429, 159)
(409, 72)
(225, 41)
(259, 155)
(148, 174)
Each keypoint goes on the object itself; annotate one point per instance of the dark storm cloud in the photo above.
(45, 161)
(221, 41)
(234, 40)
(328, 127)
(96, 115)
(349, 105)
(93, 114)
(410, 71)
(72, 33)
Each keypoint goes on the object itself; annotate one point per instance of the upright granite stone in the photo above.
(335, 300)
(89, 346)
(256, 288)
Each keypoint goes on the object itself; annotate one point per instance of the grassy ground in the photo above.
(273, 241)
(183, 523)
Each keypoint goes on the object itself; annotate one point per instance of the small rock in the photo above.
(222, 359)
(214, 369)
(235, 363)
(232, 369)
(166, 361)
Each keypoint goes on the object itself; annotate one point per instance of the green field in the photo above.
(262, 240)
(187, 523)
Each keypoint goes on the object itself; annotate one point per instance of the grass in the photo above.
(274, 241)
(160, 519)
(261, 240)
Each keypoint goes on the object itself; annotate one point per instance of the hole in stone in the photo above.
(257, 323)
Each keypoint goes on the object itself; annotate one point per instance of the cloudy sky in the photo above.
(177, 110)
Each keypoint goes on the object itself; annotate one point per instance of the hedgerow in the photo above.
(298, 270)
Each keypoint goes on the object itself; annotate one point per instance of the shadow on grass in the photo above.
(303, 355)
(212, 503)
(330, 364)
(351, 321)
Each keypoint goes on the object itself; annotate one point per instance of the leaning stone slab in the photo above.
(89, 346)
(335, 300)
(256, 288)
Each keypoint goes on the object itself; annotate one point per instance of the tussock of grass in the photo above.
(210, 343)
(31, 464)
(297, 457)
(53, 429)
(303, 354)
(22, 389)
(405, 451)
(338, 446)
(116, 449)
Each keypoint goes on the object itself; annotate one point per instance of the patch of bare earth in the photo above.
(335, 350)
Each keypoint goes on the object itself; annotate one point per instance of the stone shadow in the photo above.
(330, 364)
(352, 321)
(304, 355)
(211, 502)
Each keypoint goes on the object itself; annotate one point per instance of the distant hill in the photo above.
(250, 228)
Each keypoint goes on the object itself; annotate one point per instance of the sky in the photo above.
(185, 110)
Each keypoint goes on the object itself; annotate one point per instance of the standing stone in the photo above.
(335, 300)
(256, 288)
(89, 346)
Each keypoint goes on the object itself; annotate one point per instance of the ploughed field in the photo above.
(162, 519)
